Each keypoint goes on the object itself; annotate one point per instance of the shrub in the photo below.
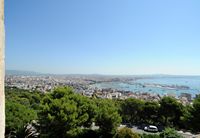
(126, 133)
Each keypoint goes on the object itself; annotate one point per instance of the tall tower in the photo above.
(2, 70)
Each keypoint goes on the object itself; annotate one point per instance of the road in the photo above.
(140, 131)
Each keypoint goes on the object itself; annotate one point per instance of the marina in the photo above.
(158, 85)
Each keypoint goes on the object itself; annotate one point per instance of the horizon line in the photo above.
(100, 74)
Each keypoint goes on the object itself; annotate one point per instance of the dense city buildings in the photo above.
(84, 84)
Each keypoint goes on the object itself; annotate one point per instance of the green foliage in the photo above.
(150, 136)
(20, 109)
(107, 118)
(186, 118)
(192, 116)
(118, 104)
(126, 133)
(170, 133)
(17, 116)
(132, 110)
(63, 113)
(150, 112)
(24, 97)
(171, 111)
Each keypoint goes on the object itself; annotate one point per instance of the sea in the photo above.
(173, 85)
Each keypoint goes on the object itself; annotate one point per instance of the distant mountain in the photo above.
(32, 73)
(20, 72)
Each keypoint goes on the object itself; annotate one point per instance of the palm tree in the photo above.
(2, 71)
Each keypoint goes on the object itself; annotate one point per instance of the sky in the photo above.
(128, 37)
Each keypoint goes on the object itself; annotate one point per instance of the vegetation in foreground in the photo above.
(63, 113)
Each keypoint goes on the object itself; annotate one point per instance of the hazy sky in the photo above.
(103, 36)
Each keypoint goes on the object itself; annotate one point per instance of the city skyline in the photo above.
(103, 37)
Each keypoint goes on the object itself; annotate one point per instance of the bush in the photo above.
(150, 136)
(170, 133)
(126, 133)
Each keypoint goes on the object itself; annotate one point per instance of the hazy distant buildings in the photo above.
(83, 85)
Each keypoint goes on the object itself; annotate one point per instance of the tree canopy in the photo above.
(108, 118)
(64, 113)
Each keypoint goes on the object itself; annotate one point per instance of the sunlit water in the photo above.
(192, 82)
